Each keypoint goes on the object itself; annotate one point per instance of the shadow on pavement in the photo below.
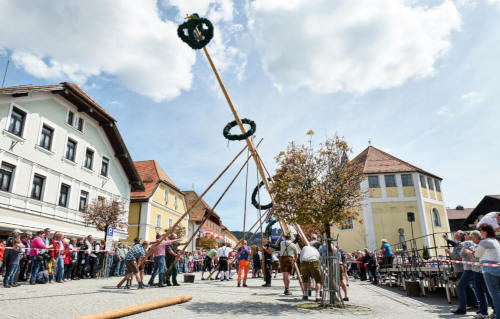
(235, 308)
(435, 299)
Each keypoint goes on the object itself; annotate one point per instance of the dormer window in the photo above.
(390, 180)
(373, 182)
(422, 181)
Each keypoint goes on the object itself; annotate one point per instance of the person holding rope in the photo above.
(244, 253)
(288, 253)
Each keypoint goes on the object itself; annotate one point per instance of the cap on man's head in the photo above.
(17, 231)
(29, 233)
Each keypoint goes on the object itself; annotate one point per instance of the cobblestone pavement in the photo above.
(211, 299)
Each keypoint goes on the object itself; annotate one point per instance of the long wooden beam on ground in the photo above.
(134, 309)
(170, 230)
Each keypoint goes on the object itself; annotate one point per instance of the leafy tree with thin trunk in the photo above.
(318, 188)
(102, 213)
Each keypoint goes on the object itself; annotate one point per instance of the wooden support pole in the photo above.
(134, 309)
(208, 215)
(171, 229)
(250, 145)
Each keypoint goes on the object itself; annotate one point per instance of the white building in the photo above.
(59, 150)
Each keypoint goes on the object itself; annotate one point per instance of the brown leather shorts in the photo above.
(286, 263)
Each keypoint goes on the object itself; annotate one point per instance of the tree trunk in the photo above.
(331, 268)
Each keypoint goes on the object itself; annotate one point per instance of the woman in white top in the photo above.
(488, 251)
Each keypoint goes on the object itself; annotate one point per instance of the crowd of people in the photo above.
(51, 257)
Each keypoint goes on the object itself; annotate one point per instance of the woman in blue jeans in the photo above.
(488, 251)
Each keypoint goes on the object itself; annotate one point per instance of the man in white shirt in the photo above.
(223, 254)
(309, 267)
(492, 219)
(288, 256)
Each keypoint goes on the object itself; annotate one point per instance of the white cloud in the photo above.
(467, 3)
(444, 111)
(75, 40)
(353, 46)
(472, 97)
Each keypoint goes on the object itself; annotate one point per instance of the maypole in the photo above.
(197, 33)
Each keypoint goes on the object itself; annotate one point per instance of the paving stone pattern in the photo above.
(211, 299)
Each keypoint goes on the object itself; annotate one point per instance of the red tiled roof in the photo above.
(151, 174)
(196, 214)
(377, 161)
(459, 213)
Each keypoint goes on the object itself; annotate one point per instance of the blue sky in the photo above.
(418, 78)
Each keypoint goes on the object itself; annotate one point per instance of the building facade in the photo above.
(228, 237)
(59, 150)
(212, 226)
(395, 189)
(158, 207)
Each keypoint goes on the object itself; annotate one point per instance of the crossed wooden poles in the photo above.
(260, 168)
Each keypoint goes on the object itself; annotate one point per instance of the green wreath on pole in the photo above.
(187, 31)
(239, 137)
(254, 198)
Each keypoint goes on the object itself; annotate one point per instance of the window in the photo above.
(158, 220)
(170, 222)
(373, 182)
(70, 150)
(176, 202)
(166, 195)
(390, 180)
(422, 181)
(438, 185)
(429, 181)
(104, 166)
(80, 124)
(37, 187)
(63, 195)
(71, 118)
(89, 159)
(17, 119)
(46, 138)
(348, 224)
(6, 172)
(436, 219)
(406, 180)
(84, 198)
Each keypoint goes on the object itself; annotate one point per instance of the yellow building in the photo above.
(156, 208)
(395, 188)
